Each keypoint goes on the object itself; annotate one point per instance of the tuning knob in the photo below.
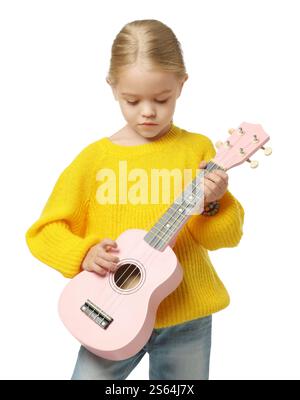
(253, 163)
(267, 150)
(218, 144)
(231, 131)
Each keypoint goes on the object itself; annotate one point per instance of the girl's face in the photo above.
(148, 96)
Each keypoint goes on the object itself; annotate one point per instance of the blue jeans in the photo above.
(177, 352)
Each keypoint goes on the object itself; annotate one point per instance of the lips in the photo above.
(148, 123)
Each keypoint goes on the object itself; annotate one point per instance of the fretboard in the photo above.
(187, 204)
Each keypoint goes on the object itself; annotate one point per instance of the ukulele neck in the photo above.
(189, 202)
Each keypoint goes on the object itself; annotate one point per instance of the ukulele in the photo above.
(113, 315)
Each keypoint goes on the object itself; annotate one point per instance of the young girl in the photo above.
(83, 216)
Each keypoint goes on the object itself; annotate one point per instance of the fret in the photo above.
(159, 241)
(159, 227)
(155, 235)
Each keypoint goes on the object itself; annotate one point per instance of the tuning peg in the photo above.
(231, 131)
(253, 164)
(267, 150)
(218, 144)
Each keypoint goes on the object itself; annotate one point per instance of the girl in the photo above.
(83, 216)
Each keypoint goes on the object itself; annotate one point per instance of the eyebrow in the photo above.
(157, 94)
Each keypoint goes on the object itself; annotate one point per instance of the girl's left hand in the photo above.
(215, 184)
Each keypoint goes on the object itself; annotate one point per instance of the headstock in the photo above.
(240, 145)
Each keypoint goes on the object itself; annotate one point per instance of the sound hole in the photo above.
(127, 276)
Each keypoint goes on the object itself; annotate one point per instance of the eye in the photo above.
(133, 103)
(162, 101)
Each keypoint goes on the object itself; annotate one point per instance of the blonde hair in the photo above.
(149, 43)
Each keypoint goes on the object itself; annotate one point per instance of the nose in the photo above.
(148, 111)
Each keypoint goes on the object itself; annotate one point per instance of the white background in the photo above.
(242, 58)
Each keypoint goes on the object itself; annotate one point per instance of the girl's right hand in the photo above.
(99, 260)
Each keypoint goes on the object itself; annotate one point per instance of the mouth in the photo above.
(148, 124)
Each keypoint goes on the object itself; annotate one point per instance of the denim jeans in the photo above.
(180, 351)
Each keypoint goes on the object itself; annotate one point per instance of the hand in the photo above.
(99, 260)
(215, 184)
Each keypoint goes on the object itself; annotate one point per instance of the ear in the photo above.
(113, 89)
(184, 80)
(181, 84)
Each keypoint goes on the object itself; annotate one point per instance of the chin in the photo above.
(150, 135)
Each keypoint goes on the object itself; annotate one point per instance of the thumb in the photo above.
(202, 164)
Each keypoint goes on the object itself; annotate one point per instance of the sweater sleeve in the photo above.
(225, 228)
(58, 238)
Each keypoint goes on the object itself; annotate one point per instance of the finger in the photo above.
(202, 164)
(211, 177)
(212, 189)
(108, 242)
(108, 265)
(221, 174)
(208, 194)
(109, 257)
(216, 192)
(85, 267)
(220, 181)
(98, 269)
(221, 184)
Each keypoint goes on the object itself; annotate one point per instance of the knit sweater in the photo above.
(76, 217)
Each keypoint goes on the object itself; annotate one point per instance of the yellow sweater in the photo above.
(75, 217)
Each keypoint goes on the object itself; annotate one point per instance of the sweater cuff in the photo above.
(56, 246)
(224, 229)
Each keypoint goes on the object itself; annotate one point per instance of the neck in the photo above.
(176, 216)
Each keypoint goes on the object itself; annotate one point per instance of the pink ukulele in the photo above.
(113, 316)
